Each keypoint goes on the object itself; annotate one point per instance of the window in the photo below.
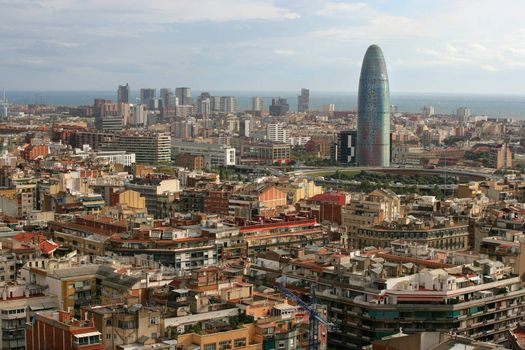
(211, 346)
(240, 342)
(108, 336)
(154, 320)
(109, 322)
(225, 344)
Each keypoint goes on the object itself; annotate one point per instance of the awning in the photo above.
(90, 334)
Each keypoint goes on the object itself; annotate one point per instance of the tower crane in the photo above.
(314, 317)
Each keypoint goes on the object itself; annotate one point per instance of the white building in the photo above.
(277, 133)
(147, 147)
(215, 155)
(117, 157)
(139, 115)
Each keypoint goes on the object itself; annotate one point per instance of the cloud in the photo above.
(284, 52)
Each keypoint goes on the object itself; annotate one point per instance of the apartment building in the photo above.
(20, 301)
(60, 331)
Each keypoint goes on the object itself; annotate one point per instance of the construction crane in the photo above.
(314, 317)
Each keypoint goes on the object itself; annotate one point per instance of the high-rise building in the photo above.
(148, 97)
(277, 133)
(228, 104)
(3, 106)
(257, 103)
(123, 94)
(204, 106)
(279, 107)
(215, 102)
(463, 114)
(184, 95)
(500, 156)
(168, 103)
(373, 124)
(346, 146)
(139, 115)
(244, 127)
(303, 100)
(428, 111)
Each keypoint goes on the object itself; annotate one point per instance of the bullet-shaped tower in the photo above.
(373, 123)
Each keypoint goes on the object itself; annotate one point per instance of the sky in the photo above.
(442, 46)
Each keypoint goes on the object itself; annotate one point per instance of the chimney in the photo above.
(64, 316)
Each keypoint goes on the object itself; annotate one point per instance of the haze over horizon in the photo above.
(441, 46)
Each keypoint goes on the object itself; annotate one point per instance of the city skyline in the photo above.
(444, 46)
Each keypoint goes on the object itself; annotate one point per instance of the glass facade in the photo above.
(373, 126)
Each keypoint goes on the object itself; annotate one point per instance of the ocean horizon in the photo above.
(492, 105)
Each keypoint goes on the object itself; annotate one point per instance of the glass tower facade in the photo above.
(373, 123)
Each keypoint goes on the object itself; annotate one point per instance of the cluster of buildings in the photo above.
(179, 224)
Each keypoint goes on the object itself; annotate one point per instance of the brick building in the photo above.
(59, 331)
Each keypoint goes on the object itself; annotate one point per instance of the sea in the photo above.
(500, 106)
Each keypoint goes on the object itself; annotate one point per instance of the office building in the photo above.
(184, 95)
(168, 103)
(257, 104)
(303, 101)
(229, 104)
(123, 94)
(346, 147)
(139, 115)
(214, 155)
(148, 97)
(279, 107)
(148, 148)
(373, 125)
(276, 132)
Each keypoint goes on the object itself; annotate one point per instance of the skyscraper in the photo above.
(279, 107)
(184, 95)
(148, 97)
(228, 104)
(303, 100)
(257, 103)
(373, 111)
(123, 94)
(3, 106)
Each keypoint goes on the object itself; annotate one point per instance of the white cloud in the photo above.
(284, 52)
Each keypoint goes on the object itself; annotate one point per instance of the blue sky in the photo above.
(456, 46)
